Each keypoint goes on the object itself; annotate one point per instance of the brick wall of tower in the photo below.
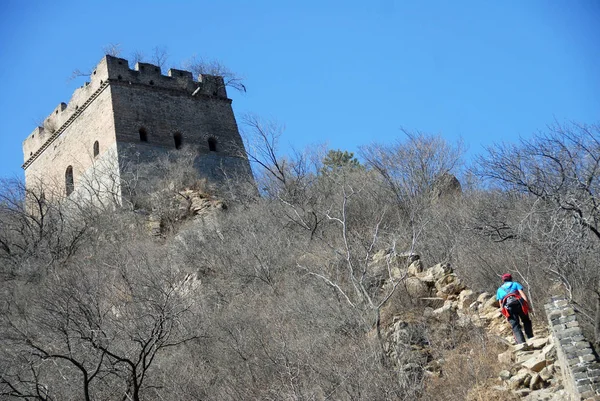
(162, 113)
(74, 145)
(162, 106)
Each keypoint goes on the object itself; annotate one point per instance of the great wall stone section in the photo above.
(580, 368)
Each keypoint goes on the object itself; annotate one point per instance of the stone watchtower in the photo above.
(122, 117)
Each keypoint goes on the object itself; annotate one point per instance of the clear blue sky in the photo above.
(342, 72)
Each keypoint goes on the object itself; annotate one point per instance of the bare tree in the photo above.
(97, 328)
(137, 56)
(559, 170)
(112, 49)
(412, 171)
(159, 56)
(198, 66)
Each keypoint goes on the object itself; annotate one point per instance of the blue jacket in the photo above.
(508, 288)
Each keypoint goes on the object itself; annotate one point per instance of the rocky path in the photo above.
(525, 371)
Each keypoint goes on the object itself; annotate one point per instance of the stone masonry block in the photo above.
(585, 351)
(569, 332)
(554, 314)
(567, 319)
(569, 349)
(573, 361)
(561, 303)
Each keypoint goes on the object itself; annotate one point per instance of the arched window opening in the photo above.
(212, 144)
(143, 135)
(96, 149)
(178, 140)
(69, 184)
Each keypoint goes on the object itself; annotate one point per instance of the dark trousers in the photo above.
(515, 314)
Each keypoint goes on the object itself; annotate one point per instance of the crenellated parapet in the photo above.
(115, 71)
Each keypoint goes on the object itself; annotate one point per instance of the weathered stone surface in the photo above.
(465, 299)
(547, 372)
(445, 313)
(484, 296)
(445, 280)
(436, 272)
(450, 285)
(521, 347)
(490, 303)
(536, 382)
(506, 357)
(536, 362)
(519, 379)
(426, 277)
(397, 273)
(416, 288)
(504, 375)
(547, 395)
(549, 352)
(537, 343)
(415, 267)
(492, 314)
(522, 356)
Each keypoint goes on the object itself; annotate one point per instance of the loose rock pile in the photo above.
(188, 204)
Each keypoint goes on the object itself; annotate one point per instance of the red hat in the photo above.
(506, 277)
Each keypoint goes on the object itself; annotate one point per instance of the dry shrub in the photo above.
(468, 372)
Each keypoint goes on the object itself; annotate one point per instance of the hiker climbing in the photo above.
(515, 307)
